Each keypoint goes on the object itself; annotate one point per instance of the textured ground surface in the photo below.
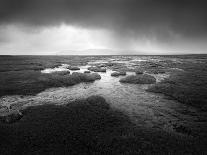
(167, 116)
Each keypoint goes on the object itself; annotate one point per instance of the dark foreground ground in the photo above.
(87, 126)
(91, 126)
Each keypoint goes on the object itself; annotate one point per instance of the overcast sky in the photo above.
(128, 26)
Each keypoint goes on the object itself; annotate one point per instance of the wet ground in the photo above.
(144, 108)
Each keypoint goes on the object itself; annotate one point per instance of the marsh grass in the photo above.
(86, 126)
(118, 73)
(20, 63)
(90, 125)
(138, 79)
(30, 82)
(188, 86)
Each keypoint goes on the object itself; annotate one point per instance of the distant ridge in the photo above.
(100, 52)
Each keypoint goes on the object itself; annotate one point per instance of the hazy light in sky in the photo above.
(66, 39)
(127, 26)
(51, 40)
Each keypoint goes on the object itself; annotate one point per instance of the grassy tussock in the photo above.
(30, 82)
(139, 79)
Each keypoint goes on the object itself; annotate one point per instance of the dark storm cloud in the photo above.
(161, 18)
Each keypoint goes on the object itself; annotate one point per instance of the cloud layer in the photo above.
(161, 21)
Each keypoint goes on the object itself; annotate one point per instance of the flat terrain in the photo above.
(161, 107)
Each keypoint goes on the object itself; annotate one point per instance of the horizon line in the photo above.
(100, 54)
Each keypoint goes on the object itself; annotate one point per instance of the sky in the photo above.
(34, 27)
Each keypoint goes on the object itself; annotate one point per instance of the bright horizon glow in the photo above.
(72, 40)
(51, 40)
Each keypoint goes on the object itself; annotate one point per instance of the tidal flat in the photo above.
(68, 104)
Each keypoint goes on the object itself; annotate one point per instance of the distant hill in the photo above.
(98, 52)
